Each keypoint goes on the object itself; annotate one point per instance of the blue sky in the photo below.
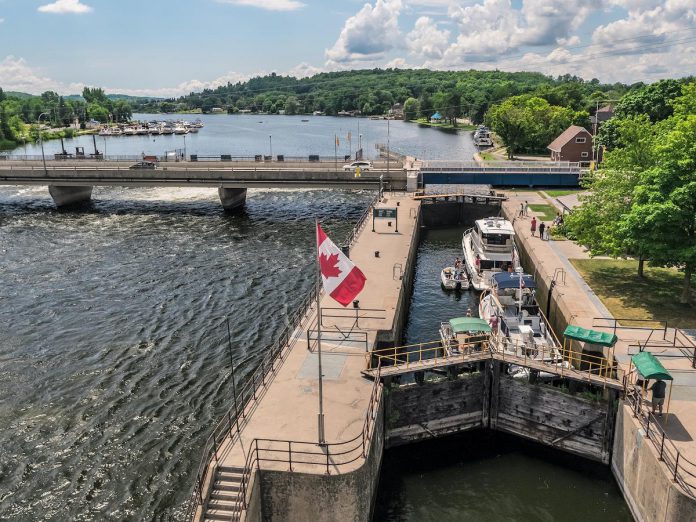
(170, 47)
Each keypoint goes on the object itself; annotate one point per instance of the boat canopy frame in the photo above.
(505, 280)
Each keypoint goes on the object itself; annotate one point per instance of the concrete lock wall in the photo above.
(292, 497)
(645, 481)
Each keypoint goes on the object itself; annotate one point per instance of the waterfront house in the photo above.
(217, 110)
(573, 144)
(397, 111)
(436, 118)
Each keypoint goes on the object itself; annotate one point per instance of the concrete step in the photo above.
(225, 496)
(228, 477)
(221, 516)
(223, 505)
(230, 469)
(226, 486)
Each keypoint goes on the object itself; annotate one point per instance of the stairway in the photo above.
(223, 504)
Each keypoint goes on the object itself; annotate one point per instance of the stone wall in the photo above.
(647, 487)
(452, 213)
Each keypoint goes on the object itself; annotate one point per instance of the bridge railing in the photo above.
(500, 164)
(200, 158)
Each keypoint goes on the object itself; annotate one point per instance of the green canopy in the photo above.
(649, 367)
(469, 324)
(590, 336)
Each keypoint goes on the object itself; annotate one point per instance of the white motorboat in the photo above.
(106, 131)
(489, 248)
(482, 137)
(519, 327)
(454, 279)
(129, 131)
(180, 129)
(116, 131)
(167, 129)
(141, 131)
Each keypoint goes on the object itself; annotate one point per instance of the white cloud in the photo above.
(426, 40)
(268, 5)
(65, 7)
(16, 75)
(369, 34)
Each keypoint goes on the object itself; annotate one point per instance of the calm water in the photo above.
(113, 355)
(248, 135)
(482, 476)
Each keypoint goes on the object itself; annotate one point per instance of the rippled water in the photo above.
(113, 355)
(482, 476)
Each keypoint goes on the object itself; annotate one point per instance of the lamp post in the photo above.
(270, 145)
(184, 147)
(43, 156)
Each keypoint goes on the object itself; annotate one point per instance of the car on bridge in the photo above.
(144, 165)
(362, 165)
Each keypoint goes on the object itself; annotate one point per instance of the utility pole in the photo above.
(270, 146)
(388, 148)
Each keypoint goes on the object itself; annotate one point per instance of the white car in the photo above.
(363, 165)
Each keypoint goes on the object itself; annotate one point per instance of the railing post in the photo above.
(647, 427)
(662, 446)
(327, 461)
(258, 459)
(290, 453)
(676, 466)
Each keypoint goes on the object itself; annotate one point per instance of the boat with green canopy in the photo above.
(461, 332)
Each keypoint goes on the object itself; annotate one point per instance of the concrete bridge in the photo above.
(70, 181)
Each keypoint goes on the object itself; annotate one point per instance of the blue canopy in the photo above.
(511, 280)
(436, 116)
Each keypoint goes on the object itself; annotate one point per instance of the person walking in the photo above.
(526, 209)
(521, 213)
(658, 395)
(533, 226)
(542, 228)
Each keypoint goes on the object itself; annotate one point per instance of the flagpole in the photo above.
(320, 418)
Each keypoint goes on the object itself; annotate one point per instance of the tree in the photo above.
(291, 105)
(411, 109)
(94, 95)
(664, 213)
(599, 223)
(654, 100)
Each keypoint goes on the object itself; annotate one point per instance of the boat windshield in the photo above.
(496, 239)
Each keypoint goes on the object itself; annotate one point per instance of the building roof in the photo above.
(566, 136)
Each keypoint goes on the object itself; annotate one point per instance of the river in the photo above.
(113, 355)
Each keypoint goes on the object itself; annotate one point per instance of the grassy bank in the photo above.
(561, 193)
(544, 212)
(654, 297)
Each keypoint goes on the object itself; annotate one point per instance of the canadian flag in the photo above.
(342, 280)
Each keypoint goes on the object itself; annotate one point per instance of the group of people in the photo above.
(543, 229)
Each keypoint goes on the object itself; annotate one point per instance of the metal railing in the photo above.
(433, 352)
(362, 220)
(500, 164)
(224, 158)
(247, 393)
(310, 456)
(681, 468)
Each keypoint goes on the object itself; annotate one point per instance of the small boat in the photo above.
(463, 334)
(305, 120)
(141, 131)
(454, 279)
(116, 131)
(180, 129)
(106, 131)
(129, 131)
(167, 129)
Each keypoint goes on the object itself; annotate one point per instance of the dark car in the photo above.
(143, 165)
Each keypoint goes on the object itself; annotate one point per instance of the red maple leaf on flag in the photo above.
(328, 265)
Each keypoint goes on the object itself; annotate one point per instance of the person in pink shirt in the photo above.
(533, 226)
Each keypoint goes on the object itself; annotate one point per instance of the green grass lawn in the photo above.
(446, 125)
(544, 212)
(488, 156)
(560, 193)
(656, 296)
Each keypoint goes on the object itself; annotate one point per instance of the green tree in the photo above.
(291, 105)
(411, 109)
(664, 211)
(654, 100)
(600, 222)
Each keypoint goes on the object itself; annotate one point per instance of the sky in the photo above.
(173, 47)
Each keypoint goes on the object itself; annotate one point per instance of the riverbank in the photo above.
(445, 126)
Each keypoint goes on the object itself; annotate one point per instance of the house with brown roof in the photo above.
(573, 144)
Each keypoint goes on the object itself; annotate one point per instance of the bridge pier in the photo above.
(232, 198)
(66, 195)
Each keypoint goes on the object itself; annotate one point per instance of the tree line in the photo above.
(19, 113)
(642, 201)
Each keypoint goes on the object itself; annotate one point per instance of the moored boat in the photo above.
(489, 248)
(453, 278)
(520, 328)
(462, 334)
